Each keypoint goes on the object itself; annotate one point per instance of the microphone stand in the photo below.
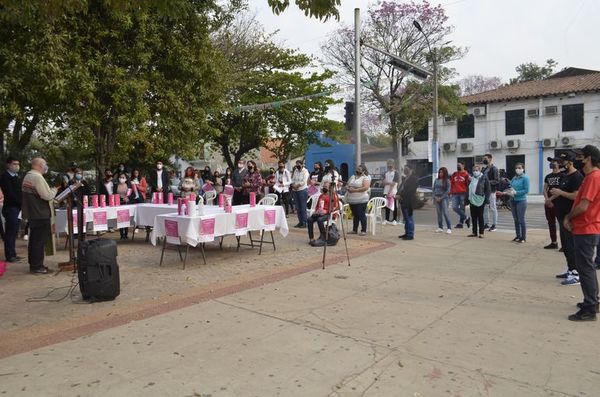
(332, 188)
(70, 195)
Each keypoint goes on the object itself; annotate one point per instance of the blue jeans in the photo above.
(518, 209)
(597, 261)
(458, 205)
(409, 221)
(442, 212)
(584, 253)
(11, 228)
(300, 196)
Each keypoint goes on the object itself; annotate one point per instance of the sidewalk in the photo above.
(443, 315)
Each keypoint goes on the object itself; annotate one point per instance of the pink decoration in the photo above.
(170, 198)
(100, 218)
(85, 201)
(207, 187)
(270, 217)
(207, 226)
(95, 201)
(171, 228)
(123, 216)
(102, 200)
(117, 200)
(228, 208)
(241, 220)
(2, 268)
(228, 190)
(252, 199)
(221, 200)
(312, 190)
(161, 198)
(186, 202)
(192, 197)
(154, 198)
(111, 200)
(179, 206)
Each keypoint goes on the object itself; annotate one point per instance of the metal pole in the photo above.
(435, 139)
(357, 58)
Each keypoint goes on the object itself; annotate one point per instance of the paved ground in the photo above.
(438, 316)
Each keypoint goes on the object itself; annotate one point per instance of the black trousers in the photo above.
(394, 213)
(477, 218)
(39, 233)
(238, 198)
(566, 242)
(11, 216)
(320, 220)
(585, 245)
(359, 214)
(283, 199)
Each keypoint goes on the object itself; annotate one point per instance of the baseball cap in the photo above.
(564, 156)
(589, 151)
(73, 165)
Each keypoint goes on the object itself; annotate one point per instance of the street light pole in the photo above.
(435, 155)
(357, 55)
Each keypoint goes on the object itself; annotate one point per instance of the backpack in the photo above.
(333, 236)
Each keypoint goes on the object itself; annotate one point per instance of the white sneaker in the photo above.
(438, 230)
(394, 223)
(26, 237)
(384, 223)
(449, 231)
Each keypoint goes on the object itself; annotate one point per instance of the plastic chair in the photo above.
(267, 201)
(273, 196)
(313, 204)
(377, 205)
(209, 197)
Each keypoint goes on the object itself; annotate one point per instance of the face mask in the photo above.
(476, 174)
(121, 168)
(552, 166)
(159, 166)
(281, 167)
(272, 172)
(485, 162)
(15, 168)
(45, 170)
(108, 176)
(358, 172)
(78, 177)
(250, 168)
(299, 166)
(519, 171)
(122, 180)
(327, 167)
(459, 168)
(325, 190)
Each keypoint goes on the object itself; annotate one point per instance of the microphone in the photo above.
(68, 190)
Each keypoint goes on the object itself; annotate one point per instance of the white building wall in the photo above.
(492, 127)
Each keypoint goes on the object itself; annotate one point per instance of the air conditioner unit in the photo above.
(449, 147)
(466, 147)
(513, 143)
(548, 142)
(449, 119)
(550, 110)
(567, 141)
(495, 145)
(480, 111)
(533, 112)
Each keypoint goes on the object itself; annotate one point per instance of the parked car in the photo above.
(424, 192)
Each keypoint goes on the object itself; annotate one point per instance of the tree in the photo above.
(321, 9)
(476, 83)
(531, 71)
(404, 104)
(262, 72)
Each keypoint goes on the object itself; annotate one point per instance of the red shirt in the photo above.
(459, 182)
(323, 203)
(589, 221)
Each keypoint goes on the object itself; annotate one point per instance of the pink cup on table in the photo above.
(117, 200)
(221, 200)
(102, 200)
(111, 200)
(161, 198)
(170, 198)
(85, 201)
(252, 199)
(192, 197)
(95, 201)
(179, 206)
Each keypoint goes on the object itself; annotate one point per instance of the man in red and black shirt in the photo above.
(584, 222)
(459, 185)
(321, 214)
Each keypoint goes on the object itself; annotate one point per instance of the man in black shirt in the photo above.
(408, 198)
(551, 181)
(11, 188)
(492, 174)
(563, 198)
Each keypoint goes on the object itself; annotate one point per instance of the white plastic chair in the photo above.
(377, 205)
(209, 197)
(273, 196)
(267, 201)
(313, 204)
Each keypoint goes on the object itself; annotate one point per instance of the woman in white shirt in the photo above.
(357, 196)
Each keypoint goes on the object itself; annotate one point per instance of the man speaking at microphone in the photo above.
(37, 209)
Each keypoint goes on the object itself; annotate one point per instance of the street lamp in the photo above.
(434, 138)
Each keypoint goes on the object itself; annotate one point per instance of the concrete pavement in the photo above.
(443, 315)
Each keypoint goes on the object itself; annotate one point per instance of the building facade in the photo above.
(521, 123)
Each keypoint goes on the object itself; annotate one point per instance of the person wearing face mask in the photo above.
(321, 215)
(520, 183)
(441, 189)
(562, 197)
(253, 182)
(316, 176)
(330, 172)
(37, 209)
(479, 193)
(357, 196)
(490, 212)
(551, 181)
(107, 187)
(391, 180)
(84, 189)
(10, 183)
(159, 180)
(408, 200)
(584, 223)
(270, 181)
(218, 182)
(283, 180)
(121, 168)
(300, 177)
(237, 182)
(139, 186)
(123, 189)
(459, 183)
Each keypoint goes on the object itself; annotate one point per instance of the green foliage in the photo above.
(531, 71)
(320, 9)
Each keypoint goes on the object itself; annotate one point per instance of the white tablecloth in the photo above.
(146, 212)
(189, 227)
(111, 216)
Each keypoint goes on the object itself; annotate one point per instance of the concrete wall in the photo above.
(492, 127)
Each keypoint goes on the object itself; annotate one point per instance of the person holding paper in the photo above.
(300, 177)
(125, 192)
(253, 181)
(139, 186)
(283, 179)
(37, 209)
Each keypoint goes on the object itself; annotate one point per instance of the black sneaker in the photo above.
(583, 315)
(486, 226)
(580, 305)
(522, 241)
(561, 249)
(468, 222)
(493, 228)
(402, 236)
(458, 226)
(41, 270)
(516, 239)
(407, 238)
(551, 246)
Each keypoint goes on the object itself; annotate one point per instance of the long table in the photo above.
(97, 219)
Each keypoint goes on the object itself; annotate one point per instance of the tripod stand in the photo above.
(332, 196)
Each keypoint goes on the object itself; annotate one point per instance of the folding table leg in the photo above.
(262, 237)
(187, 250)
(251, 239)
(179, 250)
(238, 243)
(273, 241)
(221, 243)
(162, 254)
(203, 255)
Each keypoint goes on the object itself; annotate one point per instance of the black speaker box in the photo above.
(98, 270)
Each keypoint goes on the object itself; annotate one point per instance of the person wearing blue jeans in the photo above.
(597, 260)
(441, 188)
(520, 183)
(408, 197)
(299, 186)
(458, 206)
